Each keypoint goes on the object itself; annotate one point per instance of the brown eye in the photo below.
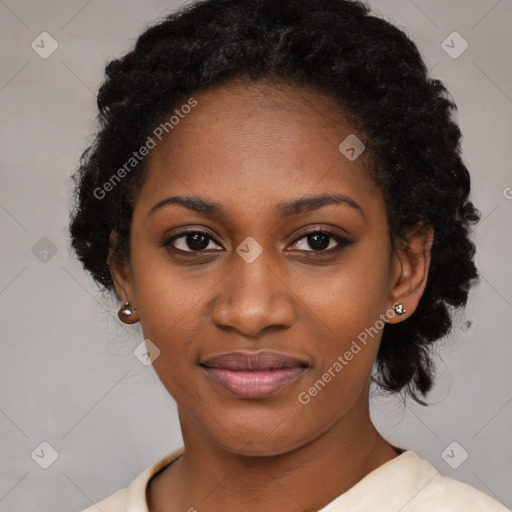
(320, 241)
(190, 241)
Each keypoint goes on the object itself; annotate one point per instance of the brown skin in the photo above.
(250, 147)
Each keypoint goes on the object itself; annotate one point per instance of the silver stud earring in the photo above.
(399, 309)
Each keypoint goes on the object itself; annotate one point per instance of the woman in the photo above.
(277, 195)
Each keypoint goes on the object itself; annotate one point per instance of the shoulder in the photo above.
(445, 494)
(428, 490)
(133, 497)
(411, 484)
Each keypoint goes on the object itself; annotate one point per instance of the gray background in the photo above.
(68, 374)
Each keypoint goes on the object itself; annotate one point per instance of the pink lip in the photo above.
(253, 375)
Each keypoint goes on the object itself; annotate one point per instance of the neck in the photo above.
(212, 478)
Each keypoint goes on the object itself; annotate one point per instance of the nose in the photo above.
(254, 296)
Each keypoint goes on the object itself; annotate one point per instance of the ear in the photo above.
(121, 272)
(409, 269)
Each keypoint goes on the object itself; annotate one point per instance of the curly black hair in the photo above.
(336, 47)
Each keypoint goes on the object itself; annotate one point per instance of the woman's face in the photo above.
(249, 279)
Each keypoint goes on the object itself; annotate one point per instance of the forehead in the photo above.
(256, 144)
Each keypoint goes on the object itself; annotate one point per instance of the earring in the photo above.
(125, 314)
(399, 309)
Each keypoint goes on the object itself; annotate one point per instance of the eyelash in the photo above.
(342, 242)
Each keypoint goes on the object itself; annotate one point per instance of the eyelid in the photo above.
(340, 240)
(183, 233)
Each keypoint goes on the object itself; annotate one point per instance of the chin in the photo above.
(259, 434)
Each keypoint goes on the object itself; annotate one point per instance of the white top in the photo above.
(406, 483)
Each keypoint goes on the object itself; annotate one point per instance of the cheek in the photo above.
(344, 357)
(345, 308)
(351, 296)
(167, 300)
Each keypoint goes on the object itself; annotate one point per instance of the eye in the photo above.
(190, 241)
(320, 241)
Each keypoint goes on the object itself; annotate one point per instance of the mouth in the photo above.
(253, 375)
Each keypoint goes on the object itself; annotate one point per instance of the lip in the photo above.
(255, 374)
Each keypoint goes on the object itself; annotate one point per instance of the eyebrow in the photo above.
(286, 209)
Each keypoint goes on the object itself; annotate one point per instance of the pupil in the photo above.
(319, 244)
(197, 241)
